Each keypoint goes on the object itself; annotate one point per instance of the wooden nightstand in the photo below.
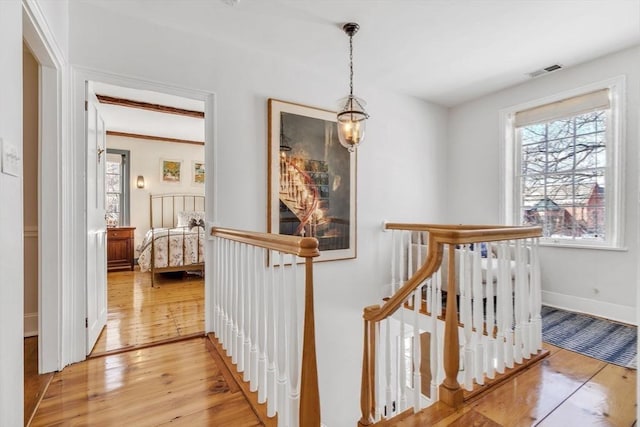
(120, 248)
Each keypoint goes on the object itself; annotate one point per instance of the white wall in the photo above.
(399, 167)
(11, 256)
(597, 281)
(56, 13)
(145, 160)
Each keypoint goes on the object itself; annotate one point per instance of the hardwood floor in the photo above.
(139, 315)
(177, 383)
(564, 390)
(181, 383)
(34, 384)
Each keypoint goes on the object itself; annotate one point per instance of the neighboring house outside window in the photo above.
(117, 187)
(563, 168)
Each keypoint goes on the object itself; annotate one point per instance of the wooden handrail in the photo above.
(304, 247)
(438, 236)
(307, 248)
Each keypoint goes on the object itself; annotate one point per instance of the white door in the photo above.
(96, 221)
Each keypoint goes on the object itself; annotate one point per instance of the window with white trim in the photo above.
(117, 187)
(566, 171)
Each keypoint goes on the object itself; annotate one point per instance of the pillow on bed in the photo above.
(195, 223)
(185, 217)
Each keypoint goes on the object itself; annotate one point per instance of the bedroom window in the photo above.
(117, 188)
(566, 169)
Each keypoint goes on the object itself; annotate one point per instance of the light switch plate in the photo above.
(10, 158)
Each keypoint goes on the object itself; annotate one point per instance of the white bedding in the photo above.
(171, 254)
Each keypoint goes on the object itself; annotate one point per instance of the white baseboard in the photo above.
(30, 324)
(620, 313)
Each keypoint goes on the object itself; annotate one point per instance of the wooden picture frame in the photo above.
(170, 171)
(311, 179)
(197, 172)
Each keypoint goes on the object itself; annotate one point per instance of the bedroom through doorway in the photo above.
(154, 212)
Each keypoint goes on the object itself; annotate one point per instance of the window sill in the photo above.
(550, 243)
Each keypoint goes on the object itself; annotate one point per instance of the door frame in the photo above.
(52, 141)
(76, 298)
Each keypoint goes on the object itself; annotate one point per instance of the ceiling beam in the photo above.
(104, 99)
(154, 138)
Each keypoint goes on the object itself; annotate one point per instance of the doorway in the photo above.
(145, 132)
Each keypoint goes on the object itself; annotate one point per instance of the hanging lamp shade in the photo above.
(352, 117)
(352, 122)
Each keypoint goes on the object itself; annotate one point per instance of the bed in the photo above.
(176, 235)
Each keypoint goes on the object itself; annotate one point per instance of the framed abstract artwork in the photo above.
(197, 172)
(171, 171)
(311, 179)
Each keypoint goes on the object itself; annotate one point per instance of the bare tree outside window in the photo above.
(562, 176)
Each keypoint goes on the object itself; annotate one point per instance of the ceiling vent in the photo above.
(545, 70)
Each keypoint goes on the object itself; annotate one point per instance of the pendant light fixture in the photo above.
(352, 116)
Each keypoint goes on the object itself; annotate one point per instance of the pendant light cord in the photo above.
(351, 65)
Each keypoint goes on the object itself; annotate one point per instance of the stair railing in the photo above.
(417, 318)
(256, 298)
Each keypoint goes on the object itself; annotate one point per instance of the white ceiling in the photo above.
(444, 51)
(150, 123)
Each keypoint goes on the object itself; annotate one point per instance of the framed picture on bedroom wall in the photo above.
(197, 173)
(311, 179)
(171, 171)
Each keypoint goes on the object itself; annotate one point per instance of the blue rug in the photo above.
(601, 339)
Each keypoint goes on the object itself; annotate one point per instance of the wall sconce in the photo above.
(140, 181)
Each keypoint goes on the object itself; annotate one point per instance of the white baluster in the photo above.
(387, 349)
(220, 325)
(402, 266)
(263, 308)
(378, 372)
(294, 346)
(393, 261)
(436, 289)
(237, 303)
(402, 375)
(500, 311)
(525, 298)
(217, 272)
(417, 359)
(281, 349)
(527, 328)
(478, 318)
(229, 294)
(255, 319)
(271, 339)
(537, 294)
(410, 268)
(518, 300)
(507, 304)
(248, 312)
(466, 315)
(419, 256)
(490, 322)
(241, 308)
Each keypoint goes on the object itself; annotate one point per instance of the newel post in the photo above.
(309, 393)
(450, 390)
(367, 387)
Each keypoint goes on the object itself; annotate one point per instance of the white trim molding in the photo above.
(30, 324)
(616, 130)
(53, 260)
(617, 312)
(75, 300)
